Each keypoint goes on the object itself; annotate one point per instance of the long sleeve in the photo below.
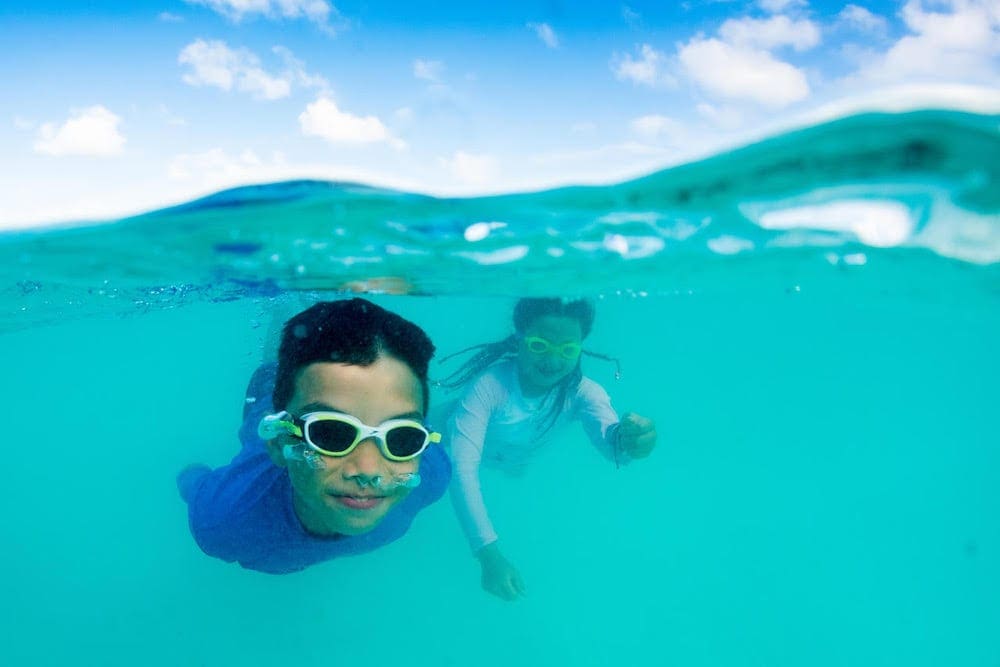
(466, 432)
(599, 419)
(220, 500)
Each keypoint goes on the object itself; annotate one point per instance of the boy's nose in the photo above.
(366, 459)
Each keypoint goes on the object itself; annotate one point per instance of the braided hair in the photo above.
(526, 312)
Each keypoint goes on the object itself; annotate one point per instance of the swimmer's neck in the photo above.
(528, 389)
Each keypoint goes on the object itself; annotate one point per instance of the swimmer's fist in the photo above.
(500, 577)
(636, 435)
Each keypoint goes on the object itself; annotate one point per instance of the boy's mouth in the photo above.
(361, 501)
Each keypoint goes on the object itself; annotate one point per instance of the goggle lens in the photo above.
(331, 435)
(539, 345)
(405, 441)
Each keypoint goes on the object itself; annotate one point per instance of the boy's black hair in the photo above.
(354, 331)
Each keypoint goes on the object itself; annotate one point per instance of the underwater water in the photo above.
(812, 321)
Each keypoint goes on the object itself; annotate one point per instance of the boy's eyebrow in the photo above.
(319, 406)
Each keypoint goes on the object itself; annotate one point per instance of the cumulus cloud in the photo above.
(92, 131)
(770, 33)
(860, 18)
(428, 70)
(472, 169)
(739, 64)
(295, 71)
(546, 34)
(320, 12)
(962, 41)
(743, 73)
(649, 69)
(213, 63)
(323, 119)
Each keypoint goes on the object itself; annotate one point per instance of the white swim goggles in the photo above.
(338, 433)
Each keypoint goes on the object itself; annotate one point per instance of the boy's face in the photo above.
(330, 500)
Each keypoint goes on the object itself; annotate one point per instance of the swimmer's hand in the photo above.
(499, 576)
(636, 435)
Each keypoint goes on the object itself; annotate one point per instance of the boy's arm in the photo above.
(219, 500)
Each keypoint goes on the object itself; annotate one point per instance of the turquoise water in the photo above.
(825, 491)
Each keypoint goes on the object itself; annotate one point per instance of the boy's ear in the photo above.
(274, 450)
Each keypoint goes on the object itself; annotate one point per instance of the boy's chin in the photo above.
(351, 522)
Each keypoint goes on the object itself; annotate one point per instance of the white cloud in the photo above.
(648, 70)
(742, 73)
(583, 127)
(24, 124)
(92, 131)
(655, 127)
(214, 64)
(323, 119)
(263, 86)
(168, 17)
(738, 64)
(546, 34)
(776, 6)
(859, 17)
(770, 33)
(428, 70)
(961, 43)
(318, 11)
(472, 169)
(295, 71)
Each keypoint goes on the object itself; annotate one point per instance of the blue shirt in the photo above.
(243, 511)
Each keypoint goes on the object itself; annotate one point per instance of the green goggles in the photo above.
(338, 433)
(538, 345)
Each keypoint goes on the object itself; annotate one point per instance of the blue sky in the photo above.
(111, 108)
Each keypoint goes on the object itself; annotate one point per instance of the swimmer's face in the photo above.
(540, 371)
(330, 500)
